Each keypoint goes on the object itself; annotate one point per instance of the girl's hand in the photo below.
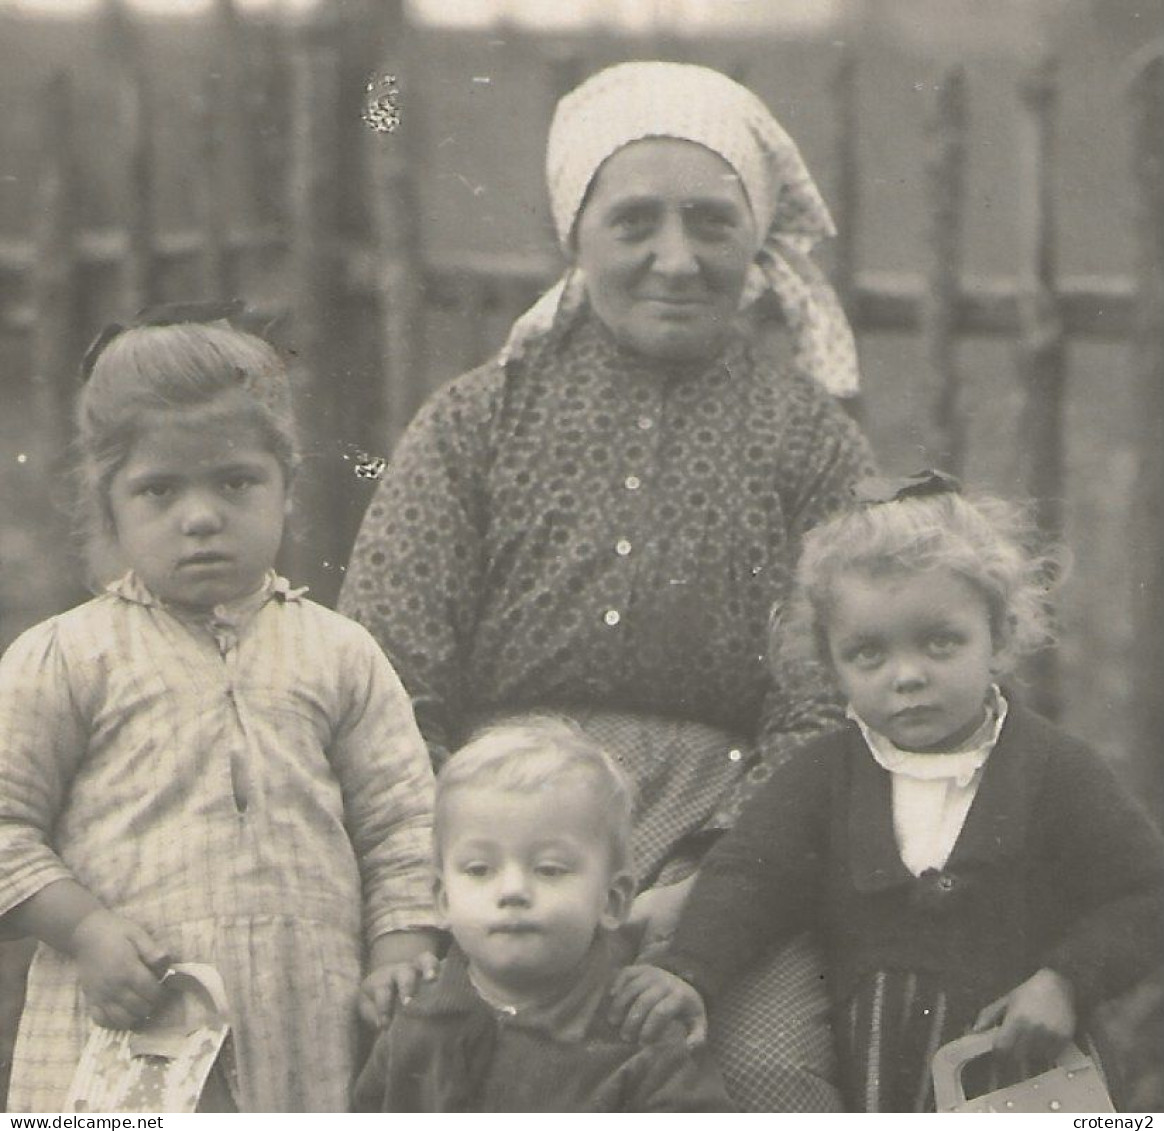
(394, 984)
(1038, 1018)
(655, 913)
(120, 969)
(646, 999)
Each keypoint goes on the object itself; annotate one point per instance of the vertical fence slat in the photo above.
(846, 196)
(238, 134)
(54, 275)
(471, 301)
(267, 157)
(217, 266)
(139, 268)
(392, 165)
(314, 280)
(1042, 354)
(1146, 527)
(946, 181)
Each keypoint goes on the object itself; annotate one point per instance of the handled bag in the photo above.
(162, 1066)
(1074, 1084)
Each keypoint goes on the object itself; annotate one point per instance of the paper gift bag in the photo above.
(1074, 1084)
(162, 1066)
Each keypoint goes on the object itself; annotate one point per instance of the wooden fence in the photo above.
(381, 276)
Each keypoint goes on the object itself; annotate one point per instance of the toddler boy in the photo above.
(533, 879)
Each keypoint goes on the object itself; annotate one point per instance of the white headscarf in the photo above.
(632, 101)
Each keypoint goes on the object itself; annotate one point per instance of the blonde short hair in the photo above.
(533, 753)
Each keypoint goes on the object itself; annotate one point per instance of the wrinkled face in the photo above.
(914, 654)
(665, 240)
(525, 881)
(198, 510)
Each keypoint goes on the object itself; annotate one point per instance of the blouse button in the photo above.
(946, 883)
(622, 547)
(645, 423)
(735, 755)
(632, 482)
(612, 617)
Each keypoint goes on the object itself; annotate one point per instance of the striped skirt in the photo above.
(887, 1034)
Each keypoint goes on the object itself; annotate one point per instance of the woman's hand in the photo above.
(655, 913)
(120, 969)
(1038, 1018)
(644, 1000)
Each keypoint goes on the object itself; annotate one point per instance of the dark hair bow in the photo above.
(161, 314)
(876, 489)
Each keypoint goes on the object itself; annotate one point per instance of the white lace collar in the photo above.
(958, 766)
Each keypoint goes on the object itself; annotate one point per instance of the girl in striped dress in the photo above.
(968, 864)
(201, 765)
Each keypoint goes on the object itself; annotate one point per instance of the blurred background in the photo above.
(367, 174)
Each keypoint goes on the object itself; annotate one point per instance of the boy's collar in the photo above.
(567, 1017)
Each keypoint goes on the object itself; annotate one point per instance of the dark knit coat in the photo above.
(1055, 867)
(448, 1050)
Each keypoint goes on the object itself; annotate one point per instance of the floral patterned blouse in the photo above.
(582, 528)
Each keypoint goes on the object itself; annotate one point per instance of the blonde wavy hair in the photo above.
(989, 542)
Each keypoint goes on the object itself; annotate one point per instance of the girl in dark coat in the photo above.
(967, 864)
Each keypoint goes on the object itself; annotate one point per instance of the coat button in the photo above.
(612, 617)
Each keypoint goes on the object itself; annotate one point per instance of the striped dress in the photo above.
(253, 792)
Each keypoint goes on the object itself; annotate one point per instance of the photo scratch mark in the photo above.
(476, 190)
(382, 105)
(366, 466)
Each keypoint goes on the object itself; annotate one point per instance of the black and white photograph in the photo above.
(581, 556)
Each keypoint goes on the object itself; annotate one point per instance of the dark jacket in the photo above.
(1055, 867)
(448, 1050)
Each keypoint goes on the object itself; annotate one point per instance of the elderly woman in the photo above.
(599, 521)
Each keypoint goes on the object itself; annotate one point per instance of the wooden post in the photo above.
(238, 141)
(314, 281)
(394, 141)
(218, 276)
(139, 268)
(846, 203)
(847, 187)
(471, 300)
(55, 292)
(266, 159)
(946, 171)
(1042, 349)
(1146, 527)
